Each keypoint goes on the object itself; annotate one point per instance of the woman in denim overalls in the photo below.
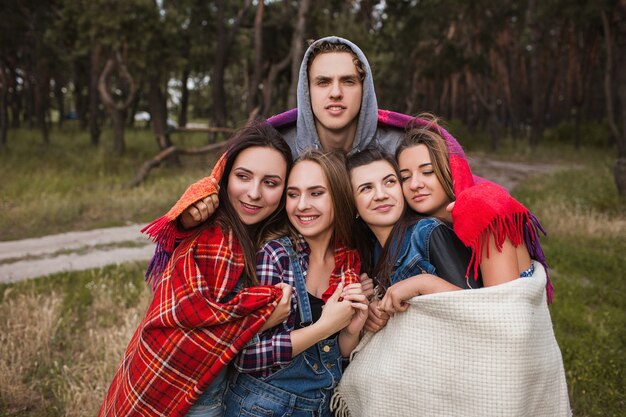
(292, 368)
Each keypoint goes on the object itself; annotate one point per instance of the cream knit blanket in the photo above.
(485, 352)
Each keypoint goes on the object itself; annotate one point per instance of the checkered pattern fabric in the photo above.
(273, 349)
(189, 332)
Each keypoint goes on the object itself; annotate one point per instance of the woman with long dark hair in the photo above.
(207, 303)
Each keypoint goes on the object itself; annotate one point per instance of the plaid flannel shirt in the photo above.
(189, 332)
(271, 350)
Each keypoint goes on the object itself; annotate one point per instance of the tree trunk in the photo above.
(537, 92)
(133, 109)
(15, 99)
(41, 90)
(224, 43)
(253, 92)
(116, 110)
(4, 122)
(158, 116)
(492, 116)
(454, 95)
(29, 100)
(270, 81)
(79, 80)
(94, 111)
(297, 51)
(58, 95)
(184, 98)
(616, 59)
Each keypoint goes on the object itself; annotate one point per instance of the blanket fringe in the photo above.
(163, 232)
(501, 227)
(517, 227)
(338, 406)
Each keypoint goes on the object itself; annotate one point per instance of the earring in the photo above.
(357, 216)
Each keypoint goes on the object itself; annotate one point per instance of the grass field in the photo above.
(61, 338)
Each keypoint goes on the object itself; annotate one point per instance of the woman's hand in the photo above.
(355, 295)
(201, 210)
(396, 296)
(336, 314)
(376, 318)
(283, 308)
(367, 286)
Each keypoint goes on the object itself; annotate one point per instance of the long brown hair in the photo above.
(429, 136)
(381, 270)
(257, 134)
(333, 167)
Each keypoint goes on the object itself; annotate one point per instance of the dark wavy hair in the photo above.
(256, 134)
(381, 270)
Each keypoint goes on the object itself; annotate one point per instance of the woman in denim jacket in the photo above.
(421, 246)
(291, 369)
(395, 243)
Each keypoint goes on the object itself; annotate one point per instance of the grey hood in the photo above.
(306, 135)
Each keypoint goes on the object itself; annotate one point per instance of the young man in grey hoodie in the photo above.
(337, 110)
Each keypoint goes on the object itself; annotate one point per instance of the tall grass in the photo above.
(585, 251)
(63, 337)
(70, 185)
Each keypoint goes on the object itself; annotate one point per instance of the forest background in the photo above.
(102, 102)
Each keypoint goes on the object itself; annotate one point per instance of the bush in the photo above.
(594, 134)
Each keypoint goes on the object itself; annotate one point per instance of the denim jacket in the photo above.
(431, 246)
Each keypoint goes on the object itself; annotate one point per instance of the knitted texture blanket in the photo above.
(189, 333)
(485, 352)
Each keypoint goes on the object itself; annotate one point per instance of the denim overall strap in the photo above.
(306, 317)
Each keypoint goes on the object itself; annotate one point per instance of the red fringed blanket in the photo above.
(189, 333)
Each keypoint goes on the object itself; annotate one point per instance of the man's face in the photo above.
(336, 91)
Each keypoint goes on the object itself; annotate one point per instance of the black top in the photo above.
(316, 309)
(450, 257)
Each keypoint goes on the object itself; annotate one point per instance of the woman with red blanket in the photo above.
(499, 251)
(207, 303)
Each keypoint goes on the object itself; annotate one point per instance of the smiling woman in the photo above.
(256, 183)
(207, 303)
(293, 367)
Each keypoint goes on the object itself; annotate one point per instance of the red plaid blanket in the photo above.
(189, 333)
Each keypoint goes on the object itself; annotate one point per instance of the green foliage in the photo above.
(591, 134)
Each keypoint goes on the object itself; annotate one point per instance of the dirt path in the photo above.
(31, 258)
